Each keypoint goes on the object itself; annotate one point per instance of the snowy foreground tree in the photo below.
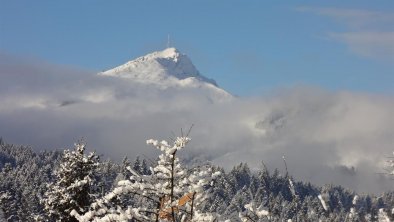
(73, 185)
(169, 192)
(238, 195)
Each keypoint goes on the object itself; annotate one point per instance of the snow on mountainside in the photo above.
(167, 69)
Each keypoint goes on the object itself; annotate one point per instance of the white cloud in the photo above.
(322, 134)
(370, 33)
(368, 44)
(354, 18)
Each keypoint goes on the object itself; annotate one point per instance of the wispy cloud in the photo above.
(354, 18)
(323, 134)
(368, 44)
(370, 32)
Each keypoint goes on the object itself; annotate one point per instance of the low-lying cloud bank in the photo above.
(327, 137)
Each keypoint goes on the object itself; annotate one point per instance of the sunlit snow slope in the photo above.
(167, 69)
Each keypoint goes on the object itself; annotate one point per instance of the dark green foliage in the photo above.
(272, 192)
(24, 175)
(23, 178)
(74, 186)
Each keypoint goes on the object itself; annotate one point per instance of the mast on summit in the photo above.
(168, 41)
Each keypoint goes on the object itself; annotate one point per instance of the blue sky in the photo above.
(248, 47)
(343, 49)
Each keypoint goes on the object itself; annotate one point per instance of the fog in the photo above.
(339, 137)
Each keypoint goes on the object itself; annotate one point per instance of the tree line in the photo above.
(74, 185)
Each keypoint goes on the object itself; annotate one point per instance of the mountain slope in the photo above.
(167, 69)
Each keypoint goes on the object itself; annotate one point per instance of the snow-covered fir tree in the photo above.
(168, 192)
(254, 213)
(24, 175)
(73, 188)
(23, 178)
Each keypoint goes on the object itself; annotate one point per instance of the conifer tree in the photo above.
(73, 185)
(169, 193)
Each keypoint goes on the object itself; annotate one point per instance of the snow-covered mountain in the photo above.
(167, 69)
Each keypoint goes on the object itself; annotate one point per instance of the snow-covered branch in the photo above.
(169, 193)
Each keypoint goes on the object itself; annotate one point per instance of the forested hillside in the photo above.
(75, 185)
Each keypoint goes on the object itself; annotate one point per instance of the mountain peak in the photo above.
(168, 69)
(159, 67)
(169, 53)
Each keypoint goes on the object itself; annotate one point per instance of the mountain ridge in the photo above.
(168, 68)
(169, 62)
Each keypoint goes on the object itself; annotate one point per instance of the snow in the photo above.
(169, 185)
(382, 216)
(355, 200)
(323, 203)
(259, 212)
(292, 189)
(167, 69)
(158, 66)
